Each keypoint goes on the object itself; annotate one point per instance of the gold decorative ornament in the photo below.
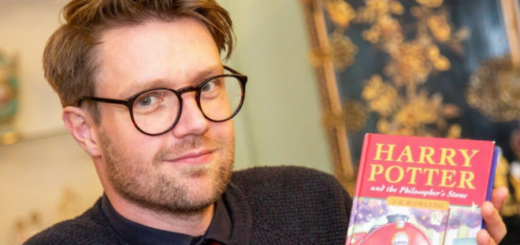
(431, 3)
(412, 62)
(495, 86)
(343, 51)
(495, 90)
(318, 56)
(356, 115)
(353, 116)
(381, 97)
(340, 12)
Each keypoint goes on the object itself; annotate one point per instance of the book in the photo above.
(418, 190)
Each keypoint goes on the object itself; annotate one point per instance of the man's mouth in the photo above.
(201, 156)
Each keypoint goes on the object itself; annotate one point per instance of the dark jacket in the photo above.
(270, 205)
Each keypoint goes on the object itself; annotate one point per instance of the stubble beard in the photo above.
(143, 184)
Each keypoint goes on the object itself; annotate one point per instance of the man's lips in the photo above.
(192, 157)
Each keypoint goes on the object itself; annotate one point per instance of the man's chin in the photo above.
(201, 170)
(192, 203)
(192, 192)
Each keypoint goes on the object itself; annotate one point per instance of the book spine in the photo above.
(362, 162)
(496, 158)
(359, 182)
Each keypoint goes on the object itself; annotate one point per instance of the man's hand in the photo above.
(495, 227)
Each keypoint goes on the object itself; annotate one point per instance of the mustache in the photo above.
(186, 145)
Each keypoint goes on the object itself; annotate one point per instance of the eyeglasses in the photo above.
(157, 111)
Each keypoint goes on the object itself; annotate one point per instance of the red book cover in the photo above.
(418, 190)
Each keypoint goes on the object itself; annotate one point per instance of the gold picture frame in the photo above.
(453, 47)
(330, 98)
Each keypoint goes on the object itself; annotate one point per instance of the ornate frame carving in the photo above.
(330, 98)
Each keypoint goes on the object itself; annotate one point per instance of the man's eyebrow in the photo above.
(162, 83)
(209, 72)
(130, 91)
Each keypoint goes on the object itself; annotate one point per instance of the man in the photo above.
(145, 94)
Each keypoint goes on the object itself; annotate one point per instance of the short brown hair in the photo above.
(69, 59)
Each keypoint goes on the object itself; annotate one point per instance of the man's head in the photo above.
(118, 48)
(70, 59)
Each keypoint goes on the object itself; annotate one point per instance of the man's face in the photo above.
(187, 168)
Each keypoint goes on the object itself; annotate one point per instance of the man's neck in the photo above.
(193, 224)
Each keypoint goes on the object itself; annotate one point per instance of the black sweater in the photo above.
(270, 205)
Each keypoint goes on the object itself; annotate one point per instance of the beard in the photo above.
(176, 191)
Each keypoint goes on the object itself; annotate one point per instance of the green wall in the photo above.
(281, 121)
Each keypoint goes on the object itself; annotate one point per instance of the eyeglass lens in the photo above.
(156, 111)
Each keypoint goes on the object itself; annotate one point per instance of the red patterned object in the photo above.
(357, 238)
(398, 233)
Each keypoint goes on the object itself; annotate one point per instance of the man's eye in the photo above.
(209, 86)
(149, 100)
(146, 101)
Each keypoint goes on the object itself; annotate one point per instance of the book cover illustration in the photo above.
(417, 190)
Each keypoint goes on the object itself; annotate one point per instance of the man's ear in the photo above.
(82, 128)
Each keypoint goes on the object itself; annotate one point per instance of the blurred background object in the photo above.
(8, 98)
(419, 67)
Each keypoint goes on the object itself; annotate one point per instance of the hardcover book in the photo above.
(417, 190)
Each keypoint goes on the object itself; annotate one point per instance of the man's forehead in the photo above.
(157, 53)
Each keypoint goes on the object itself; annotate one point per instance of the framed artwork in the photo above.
(8, 98)
(415, 67)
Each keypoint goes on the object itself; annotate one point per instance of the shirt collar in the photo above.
(134, 233)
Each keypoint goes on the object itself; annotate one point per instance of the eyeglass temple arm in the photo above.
(111, 101)
(232, 70)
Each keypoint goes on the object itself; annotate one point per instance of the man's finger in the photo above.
(494, 224)
(483, 238)
(498, 197)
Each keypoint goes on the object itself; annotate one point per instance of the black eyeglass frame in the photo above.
(129, 102)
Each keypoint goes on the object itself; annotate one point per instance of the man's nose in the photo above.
(192, 120)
